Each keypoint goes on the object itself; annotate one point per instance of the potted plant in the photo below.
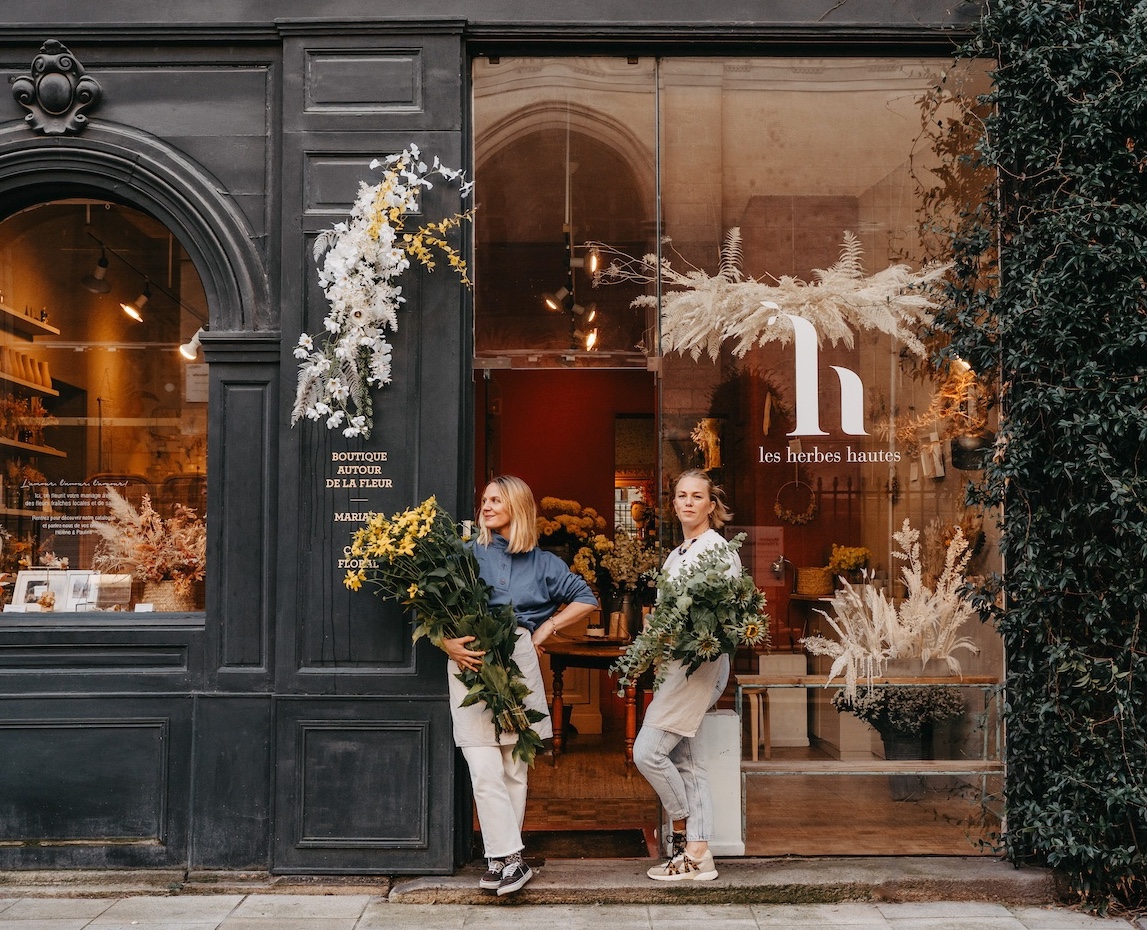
(169, 556)
(905, 717)
(872, 629)
(849, 561)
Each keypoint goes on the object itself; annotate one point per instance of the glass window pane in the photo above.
(104, 418)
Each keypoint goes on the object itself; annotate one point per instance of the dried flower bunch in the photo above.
(363, 258)
(707, 310)
(902, 708)
(149, 547)
(702, 612)
(871, 629)
(418, 557)
(629, 561)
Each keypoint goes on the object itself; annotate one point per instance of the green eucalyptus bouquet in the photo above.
(702, 612)
(419, 559)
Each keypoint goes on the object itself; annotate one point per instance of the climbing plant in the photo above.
(1050, 293)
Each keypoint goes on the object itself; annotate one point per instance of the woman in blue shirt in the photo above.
(545, 596)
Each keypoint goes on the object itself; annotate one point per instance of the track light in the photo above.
(587, 337)
(95, 282)
(133, 309)
(556, 300)
(587, 314)
(190, 349)
(591, 262)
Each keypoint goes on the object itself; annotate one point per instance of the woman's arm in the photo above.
(564, 616)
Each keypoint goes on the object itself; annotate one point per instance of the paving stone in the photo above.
(383, 915)
(209, 909)
(289, 923)
(850, 916)
(300, 906)
(1060, 918)
(56, 908)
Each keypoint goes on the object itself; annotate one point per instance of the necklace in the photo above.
(684, 547)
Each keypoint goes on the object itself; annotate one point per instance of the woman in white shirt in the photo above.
(665, 751)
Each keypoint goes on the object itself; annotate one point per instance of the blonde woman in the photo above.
(665, 750)
(545, 596)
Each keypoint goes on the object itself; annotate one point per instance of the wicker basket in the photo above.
(164, 597)
(814, 582)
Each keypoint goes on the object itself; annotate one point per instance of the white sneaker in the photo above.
(684, 868)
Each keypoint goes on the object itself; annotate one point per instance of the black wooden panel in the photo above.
(242, 453)
(68, 657)
(94, 782)
(402, 82)
(381, 801)
(364, 785)
(383, 80)
(65, 780)
(231, 819)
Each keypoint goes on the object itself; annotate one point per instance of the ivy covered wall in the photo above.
(1051, 295)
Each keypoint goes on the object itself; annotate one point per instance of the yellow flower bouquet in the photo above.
(419, 559)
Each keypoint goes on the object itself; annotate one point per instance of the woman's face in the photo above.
(494, 513)
(692, 504)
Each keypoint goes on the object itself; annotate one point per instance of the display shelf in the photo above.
(30, 447)
(28, 384)
(23, 324)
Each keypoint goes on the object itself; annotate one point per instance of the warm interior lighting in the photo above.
(556, 300)
(133, 309)
(95, 282)
(190, 349)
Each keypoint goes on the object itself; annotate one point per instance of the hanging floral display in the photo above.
(703, 311)
(361, 260)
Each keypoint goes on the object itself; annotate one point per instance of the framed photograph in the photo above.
(31, 585)
(80, 591)
(111, 591)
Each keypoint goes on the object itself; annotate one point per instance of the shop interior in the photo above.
(581, 161)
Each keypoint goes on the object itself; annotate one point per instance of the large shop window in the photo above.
(726, 171)
(103, 414)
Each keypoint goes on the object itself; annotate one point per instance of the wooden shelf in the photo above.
(23, 324)
(4, 376)
(29, 447)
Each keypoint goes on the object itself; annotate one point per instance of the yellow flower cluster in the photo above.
(629, 560)
(848, 558)
(587, 560)
(385, 538)
(570, 520)
(434, 234)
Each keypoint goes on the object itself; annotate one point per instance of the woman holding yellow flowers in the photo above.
(545, 596)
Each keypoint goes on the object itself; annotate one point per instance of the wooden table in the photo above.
(588, 653)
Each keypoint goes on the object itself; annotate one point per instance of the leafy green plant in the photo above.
(1049, 291)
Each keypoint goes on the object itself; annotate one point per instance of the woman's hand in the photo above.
(543, 632)
(464, 658)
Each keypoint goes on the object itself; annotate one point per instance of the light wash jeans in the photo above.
(499, 782)
(674, 765)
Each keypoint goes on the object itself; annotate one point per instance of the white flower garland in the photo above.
(363, 258)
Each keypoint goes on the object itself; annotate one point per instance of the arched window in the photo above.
(103, 413)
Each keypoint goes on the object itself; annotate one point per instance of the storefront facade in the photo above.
(283, 722)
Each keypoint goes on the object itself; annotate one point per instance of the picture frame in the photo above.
(111, 591)
(81, 589)
(31, 584)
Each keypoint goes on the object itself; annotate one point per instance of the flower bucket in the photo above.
(814, 582)
(902, 747)
(165, 597)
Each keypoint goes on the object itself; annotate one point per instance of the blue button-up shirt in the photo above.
(534, 583)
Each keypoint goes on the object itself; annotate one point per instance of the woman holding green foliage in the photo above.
(665, 751)
(545, 596)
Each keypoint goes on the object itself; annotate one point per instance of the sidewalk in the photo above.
(902, 893)
(367, 912)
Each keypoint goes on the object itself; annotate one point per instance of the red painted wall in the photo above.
(554, 429)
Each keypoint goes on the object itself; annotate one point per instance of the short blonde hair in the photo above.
(523, 534)
(721, 514)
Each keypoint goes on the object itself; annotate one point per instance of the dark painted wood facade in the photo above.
(291, 726)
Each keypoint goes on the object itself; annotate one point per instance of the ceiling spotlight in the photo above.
(556, 300)
(588, 313)
(95, 282)
(190, 349)
(591, 262)
(587, 337)
(133, 309)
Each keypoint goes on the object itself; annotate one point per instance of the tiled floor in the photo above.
(364, 912)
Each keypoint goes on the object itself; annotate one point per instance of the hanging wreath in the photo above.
(789, 516)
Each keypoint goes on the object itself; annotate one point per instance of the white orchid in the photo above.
(361, 258)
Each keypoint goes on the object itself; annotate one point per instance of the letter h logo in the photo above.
(808, 386)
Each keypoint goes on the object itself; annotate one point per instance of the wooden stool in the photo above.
(759, 722)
